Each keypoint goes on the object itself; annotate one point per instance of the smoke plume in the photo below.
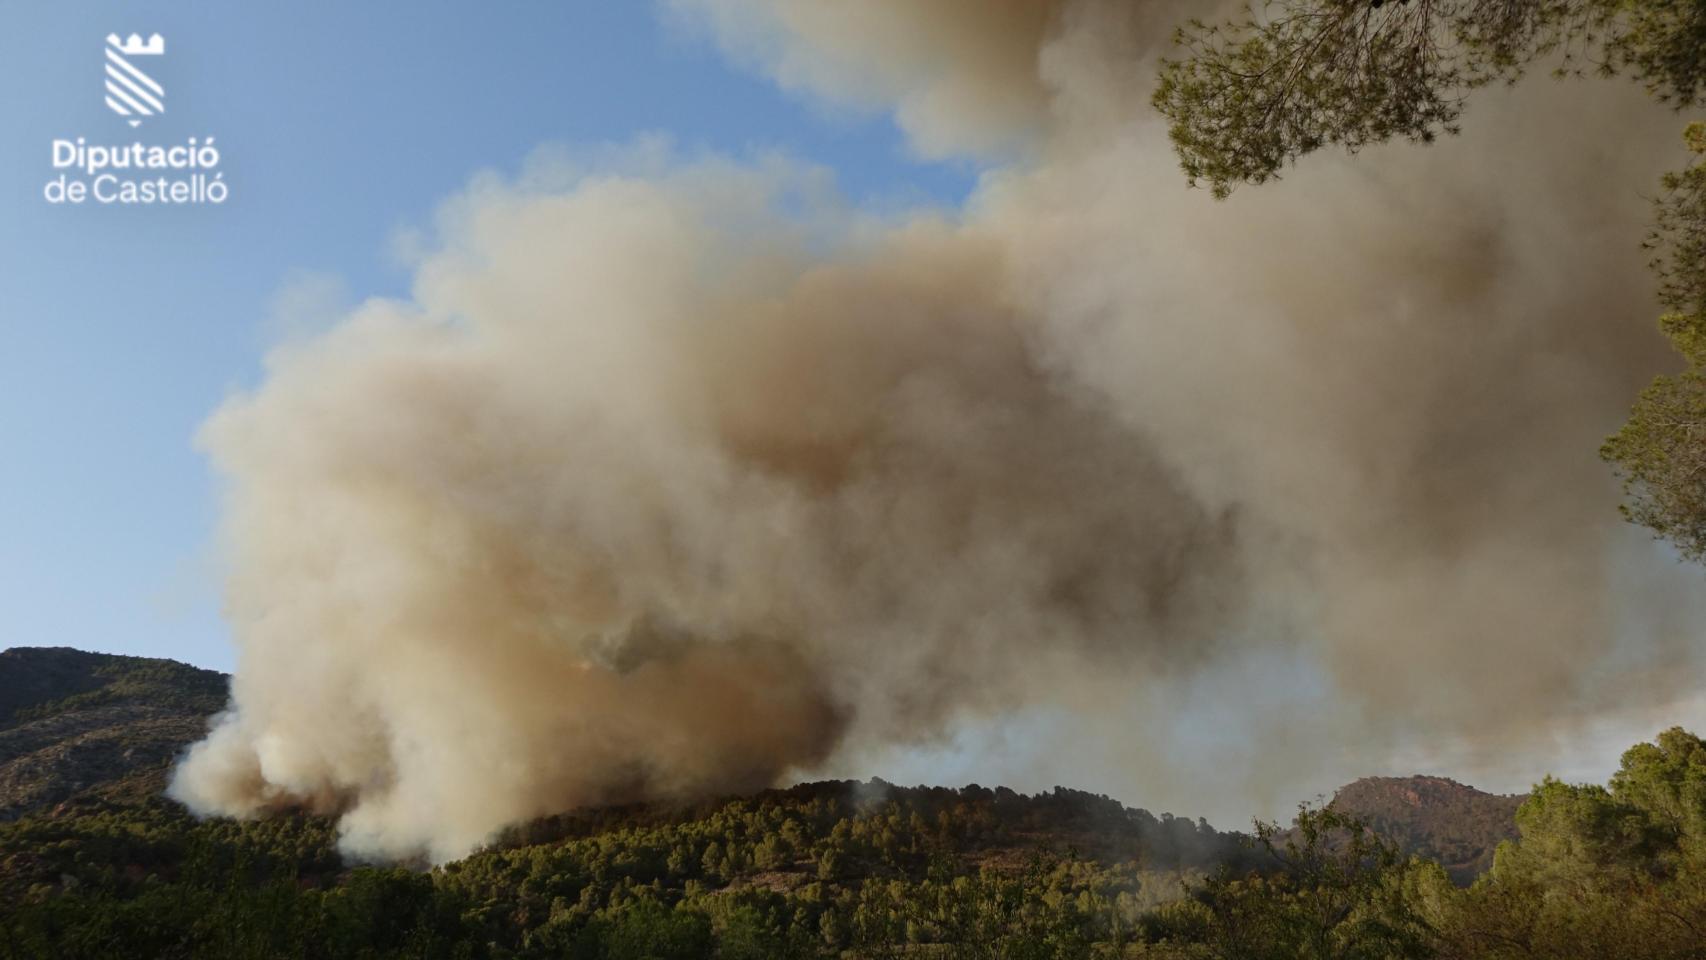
(677, 477)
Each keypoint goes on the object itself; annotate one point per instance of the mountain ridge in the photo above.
(78, 725)
(74, 722)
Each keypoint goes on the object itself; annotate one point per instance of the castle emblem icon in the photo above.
(132, 93)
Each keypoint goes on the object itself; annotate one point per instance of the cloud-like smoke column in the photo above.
(677, 477)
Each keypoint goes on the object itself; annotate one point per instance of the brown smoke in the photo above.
(680, 478)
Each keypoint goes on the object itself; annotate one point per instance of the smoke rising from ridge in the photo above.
(681, 477)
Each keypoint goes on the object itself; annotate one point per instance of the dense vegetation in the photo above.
(73, 722)
(803, 872)
(41, 682)
(869, 870)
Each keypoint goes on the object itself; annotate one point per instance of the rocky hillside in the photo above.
(74, 723)
(1435, 817)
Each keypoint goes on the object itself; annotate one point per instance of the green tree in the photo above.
(1252, 95)
(644, 929)
(1340, 893)
(1609, 871)
(1666, 781)
(1660, 453)
(1249, 96)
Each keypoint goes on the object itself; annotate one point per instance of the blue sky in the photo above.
(339, 124)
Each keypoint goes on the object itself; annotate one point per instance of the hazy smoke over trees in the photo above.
(683, 477)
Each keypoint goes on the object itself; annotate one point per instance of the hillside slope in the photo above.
(1435, 817)
(89, 846)
(74, 723)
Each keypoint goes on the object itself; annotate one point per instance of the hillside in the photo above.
(73, 723)
(93, 849)
(1437, 818)
(807, 871)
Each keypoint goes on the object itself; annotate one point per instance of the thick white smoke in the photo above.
(673, 478)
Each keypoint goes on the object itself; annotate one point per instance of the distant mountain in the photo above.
(74, 723)
(1435, 817)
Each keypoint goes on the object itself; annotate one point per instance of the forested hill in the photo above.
(95, 862)
(103, 726)
(817, 870)
(1455, 825)
(73, 722)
